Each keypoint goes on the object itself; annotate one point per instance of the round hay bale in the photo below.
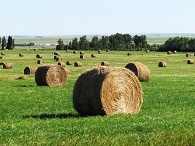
(147, 51)
(188, 55)
(55, 56)
(82, 56)
(30, 70)
(107, 91)
(78, 64)
(162, 64)
(82, 53)
(35, 49)
(104, 63)
(75, 52)
(58, 58)
(169, 52)
(56, 53)
(62, 64)
(100, 51)
(190, 61)
(1, 57)
(128, 54)
(39, 61)
(69, 62)
(107, 50)
(38, 56)
(174, 51)
(93, 56)
(2, 53)
(50, 75)
(7, 65)
(21, 55)
(140, 70)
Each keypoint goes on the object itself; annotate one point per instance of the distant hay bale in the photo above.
(100, 51)
(1, 57)
(190, 61)
(62, 64)
(140, 70)
(38, 56)
(82, 53)
(188, 55)
(162, 64)
(174, 51)
(35, 49)
(169, 52)
(147, 51)
(7, 65)
(107, 91)
(2, 53)
(55, 56)
(69, 62)
(107, 50)
(39, 61)
(21, 55)
(93, 56)
(75, 52)
(104, 63)
(30, 70)
(78, 64)
(82, 56)
(128, 54)
(56, 53)
(50, 75)
(58, 58)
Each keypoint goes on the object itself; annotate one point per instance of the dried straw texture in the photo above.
(140, 70)
(190, 61)
(104, 63)
(107, 91)
(50, 75)
(1, 63)
(188, 55)
(78, 64)
(7, 65)
(162, 64)
(30, 70)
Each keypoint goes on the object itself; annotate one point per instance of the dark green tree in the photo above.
(75, 44)
(94, 44)
(3, 44)
(84, 43)
(9, 43)
(60, 45)
(105, 42)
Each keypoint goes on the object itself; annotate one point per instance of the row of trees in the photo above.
(9, 44)
(114, 42)
(180, 44)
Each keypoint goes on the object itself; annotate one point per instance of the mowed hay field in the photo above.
(44, 115)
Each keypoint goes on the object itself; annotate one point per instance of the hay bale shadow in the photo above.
(51, 116)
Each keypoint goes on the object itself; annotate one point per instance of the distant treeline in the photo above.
(179, 44)
(114, 42)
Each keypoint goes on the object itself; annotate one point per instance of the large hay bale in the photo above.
(1, 63)
(50, 75)
(107, 91)
(129, 54)
(7, 65)
(104, 63)
(190, 61)
(162, 64)
(169, 52)
(2, 53)
(69, 62)
(75, 52)
(21, 55)
(140, 70)
(30, 70)
(78, 64)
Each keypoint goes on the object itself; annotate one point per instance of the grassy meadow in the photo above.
(34, 115)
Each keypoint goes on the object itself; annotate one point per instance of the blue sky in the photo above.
(99, 17)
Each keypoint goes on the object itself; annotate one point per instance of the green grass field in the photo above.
(34, 115)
